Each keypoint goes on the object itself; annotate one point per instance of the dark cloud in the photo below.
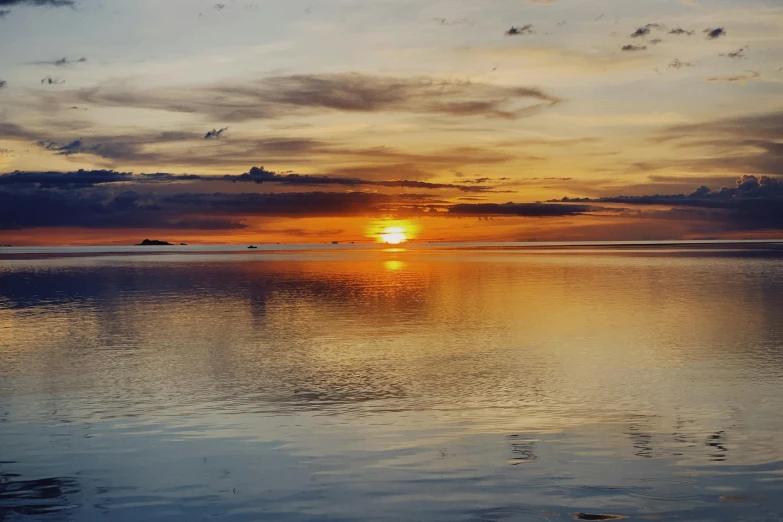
(45, 3)
(754, 203)
(37, 208)
(215, 133)
(257, 175)
(634, 47)
(645, 30)
(80, 178)
(89, 203)
(655, 41)
(680, 31)
(739, 54)
(516, 31)
(4, 13)
(712, 34)
(96, 207)
(281, 96)
(3, 84)
(519, 209)
(73, 147)
(52, 81)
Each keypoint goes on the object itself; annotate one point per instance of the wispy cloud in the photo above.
(679, 64)
(49, 80)
(73, 147)
(281, 96)
(739, 54)
(215, 133)
(742, 78)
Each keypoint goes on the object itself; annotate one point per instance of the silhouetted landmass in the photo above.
(154, 242)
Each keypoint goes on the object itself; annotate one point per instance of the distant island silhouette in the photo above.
(154, 242)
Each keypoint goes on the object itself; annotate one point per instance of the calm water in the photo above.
(479, 384)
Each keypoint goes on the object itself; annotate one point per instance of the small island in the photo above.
(153, 242)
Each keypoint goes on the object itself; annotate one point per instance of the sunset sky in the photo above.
(309, 121)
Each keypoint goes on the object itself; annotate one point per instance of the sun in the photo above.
(393, 235)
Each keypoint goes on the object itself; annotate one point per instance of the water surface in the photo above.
(481, 382)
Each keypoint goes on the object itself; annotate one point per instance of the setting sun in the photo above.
(394, 235)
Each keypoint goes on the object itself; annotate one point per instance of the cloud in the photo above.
(215, 133)
(712, 34)
(256, 175)
(65, 61)
(74, 147)
(679, 64)
(754, 203)
(644, 30)
(747, 144)
(631, 48)
(96, 207)
(680, 31)
(20, 209)
(166, 148)
(449, 21)
(516, 31)
(280, 96)
(735, 79)
(52, 81)
(519, 209)
(739, 54)
(62, 62)
(4, 12)
(3, 84)
(45, 3)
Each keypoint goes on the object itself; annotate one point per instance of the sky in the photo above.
(309, 121)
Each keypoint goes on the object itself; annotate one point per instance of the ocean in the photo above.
(453, 382)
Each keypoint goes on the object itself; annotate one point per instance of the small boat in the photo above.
(252, 247)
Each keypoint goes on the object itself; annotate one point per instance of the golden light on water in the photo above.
(393, 265)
